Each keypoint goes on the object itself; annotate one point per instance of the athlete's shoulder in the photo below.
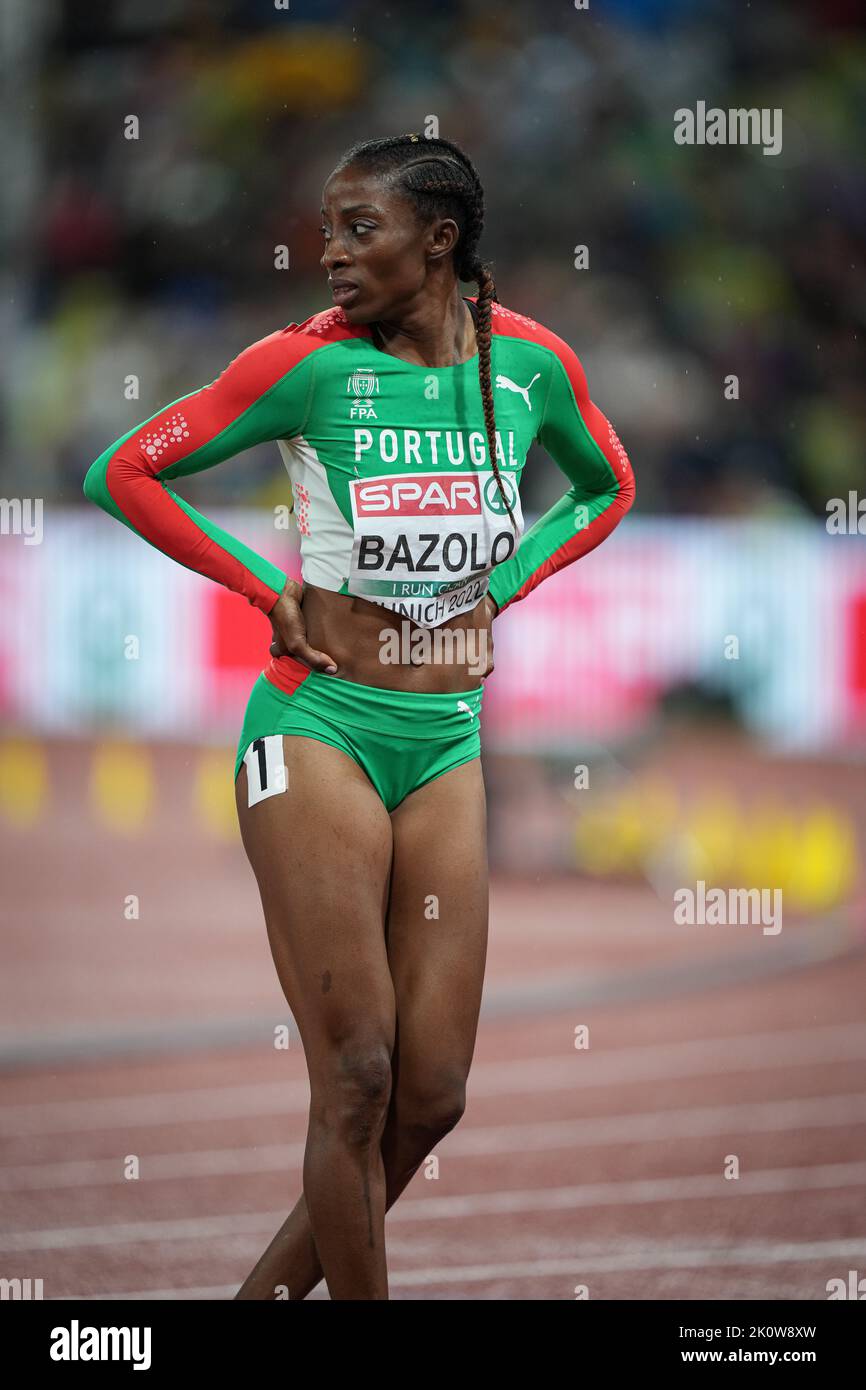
(270, 359)
(327, 326)
(508, 323)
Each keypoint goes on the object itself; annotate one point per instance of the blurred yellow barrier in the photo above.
(810, 853)
(214, 793)
(826, 868)
(122, 786)
(23, 781)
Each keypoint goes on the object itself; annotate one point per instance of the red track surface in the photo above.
(602, 1167)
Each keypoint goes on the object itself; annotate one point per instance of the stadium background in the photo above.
(689, 702)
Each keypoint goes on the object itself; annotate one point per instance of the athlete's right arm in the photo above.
(263, 394)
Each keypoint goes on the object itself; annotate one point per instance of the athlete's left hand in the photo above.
(290, 631)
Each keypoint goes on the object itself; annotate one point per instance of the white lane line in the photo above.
(629, 1192)
(669, 1256)
(568, 1070)
(470, 1141)
(746, 1255)
(749, 1117)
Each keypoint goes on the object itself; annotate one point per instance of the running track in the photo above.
(602, 1167)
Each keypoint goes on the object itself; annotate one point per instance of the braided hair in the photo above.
(441, 181)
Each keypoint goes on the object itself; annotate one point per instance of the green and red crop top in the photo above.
(395, 498)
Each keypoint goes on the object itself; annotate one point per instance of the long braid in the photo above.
(443, 181)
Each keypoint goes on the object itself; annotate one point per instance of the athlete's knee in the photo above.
(431, 1105)
(353, 1093)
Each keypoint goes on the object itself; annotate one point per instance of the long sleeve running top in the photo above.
(395, 498)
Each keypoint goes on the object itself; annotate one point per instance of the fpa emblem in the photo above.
(493, 497)
(362, 384)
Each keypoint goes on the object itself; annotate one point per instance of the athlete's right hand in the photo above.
(290, 631)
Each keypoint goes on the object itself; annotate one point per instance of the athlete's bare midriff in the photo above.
(363, 638)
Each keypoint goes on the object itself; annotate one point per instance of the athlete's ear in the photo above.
(442, 237)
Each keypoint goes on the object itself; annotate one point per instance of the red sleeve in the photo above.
(262, 395)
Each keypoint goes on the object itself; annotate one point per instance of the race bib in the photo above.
(425, 543)
(266, 770)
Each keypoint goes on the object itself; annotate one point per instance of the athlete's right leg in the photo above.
(321, 852)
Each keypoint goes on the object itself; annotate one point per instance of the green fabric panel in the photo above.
(563, 433)
(278, 413)
(267, 573)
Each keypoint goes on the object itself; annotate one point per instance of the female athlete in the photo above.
(358, 781)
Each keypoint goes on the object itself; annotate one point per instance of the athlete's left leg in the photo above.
(437, 948)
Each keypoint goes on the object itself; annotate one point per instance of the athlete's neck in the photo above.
(431, 335)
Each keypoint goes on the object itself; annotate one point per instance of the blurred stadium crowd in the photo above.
(155, 257)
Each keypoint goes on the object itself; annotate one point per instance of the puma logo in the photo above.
(507, 384)
(465, 709)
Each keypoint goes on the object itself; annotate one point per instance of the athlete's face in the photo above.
(377, 254)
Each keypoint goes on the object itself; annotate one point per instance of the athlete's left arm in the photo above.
(585, 446)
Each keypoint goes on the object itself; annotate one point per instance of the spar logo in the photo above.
(426, 530)
(362, 384)
(493, 498)
(419, 494)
